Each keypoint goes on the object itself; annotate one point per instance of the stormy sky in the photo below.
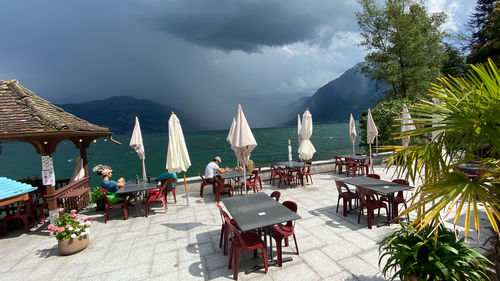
(202, 56)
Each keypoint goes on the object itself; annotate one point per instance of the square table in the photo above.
(256, 211)
(292, 164)
(132, 186)
(379, 186)
(355, 157)
(233, 175)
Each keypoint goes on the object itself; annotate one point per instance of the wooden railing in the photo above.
(73, 195)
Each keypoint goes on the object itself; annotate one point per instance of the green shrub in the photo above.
(430, 257)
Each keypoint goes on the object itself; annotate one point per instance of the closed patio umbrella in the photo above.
(229, 138)
(371, 133)
(407, 124)
(306, 148)
(138, 146)
(352, 132)
(299, 126)
(177, 153)
(243, 141)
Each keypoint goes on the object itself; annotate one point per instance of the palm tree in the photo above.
(464, 119)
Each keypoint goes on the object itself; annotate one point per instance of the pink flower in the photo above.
(73, 211)
(55, 214)
(68, 226)
(91, 220)
(85, 220)
(61, 229)
(60, 209)
(51, 233)
(50, 226)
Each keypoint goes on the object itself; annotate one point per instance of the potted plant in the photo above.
(97, 197)
(422, 255)
(72, 234)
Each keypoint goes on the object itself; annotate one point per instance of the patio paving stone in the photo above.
(184, 243)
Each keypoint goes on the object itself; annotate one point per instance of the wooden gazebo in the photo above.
(26, 117)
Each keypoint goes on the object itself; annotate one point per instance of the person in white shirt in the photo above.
(212, 169)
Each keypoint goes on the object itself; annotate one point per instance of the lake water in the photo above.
(19, 160)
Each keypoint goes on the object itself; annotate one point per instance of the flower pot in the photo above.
(100, 205)
(73, 245)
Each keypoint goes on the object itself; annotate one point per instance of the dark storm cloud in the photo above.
(248, 25)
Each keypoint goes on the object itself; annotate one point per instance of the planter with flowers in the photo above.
(72, 233)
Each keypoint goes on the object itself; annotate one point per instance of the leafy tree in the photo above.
(405, 44)
(465, 120)
(454, 63)
(479, 20)
(485, 42)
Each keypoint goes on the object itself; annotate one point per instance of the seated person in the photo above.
(212, 169)
(113, 186)
(166, 175)
(249, 166)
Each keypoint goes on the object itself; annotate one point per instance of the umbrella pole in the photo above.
(143, 170)
(371, 164)
(245, 182)
(185, 188)
(353, 153)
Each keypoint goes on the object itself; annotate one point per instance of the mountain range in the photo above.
(118, 114)
(352, 92)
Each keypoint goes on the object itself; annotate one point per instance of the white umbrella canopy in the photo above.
(407, 124)
(137, 144)
(229, 138)
(371, 133)
(306, 148)
(352, 132)
(371, 129)
(243, 140)
(299, 128)
(177, 153)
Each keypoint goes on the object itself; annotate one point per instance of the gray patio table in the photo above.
(132, 186)
(292, 164)
(256, 211)
(379, 186)
(232, 175)
(355, 157)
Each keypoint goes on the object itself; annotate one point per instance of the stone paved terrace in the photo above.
(183, 244)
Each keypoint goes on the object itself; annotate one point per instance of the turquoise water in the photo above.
(19, 160)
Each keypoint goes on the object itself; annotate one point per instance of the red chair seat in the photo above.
(347, 196)
(108, 205)
(281, 232)
(243, 242)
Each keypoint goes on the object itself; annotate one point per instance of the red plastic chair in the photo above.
(39, 207)
(305, 172)
(257, 177)
(276, 195)
(169, 188)
(203, 183)
(219, 187)
(274, 174)
(251, 182)
(347, 196)
(368, 201)
(339, 164)
(160, 195)
(108, 205)
(283, 231)
(243, 242)
(286, 177)
(398, 199)
(23, 212)
(375, 176)
(225, 230)
(364, 163)
(353, 166)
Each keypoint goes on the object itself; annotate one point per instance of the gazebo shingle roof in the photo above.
(22, 112)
